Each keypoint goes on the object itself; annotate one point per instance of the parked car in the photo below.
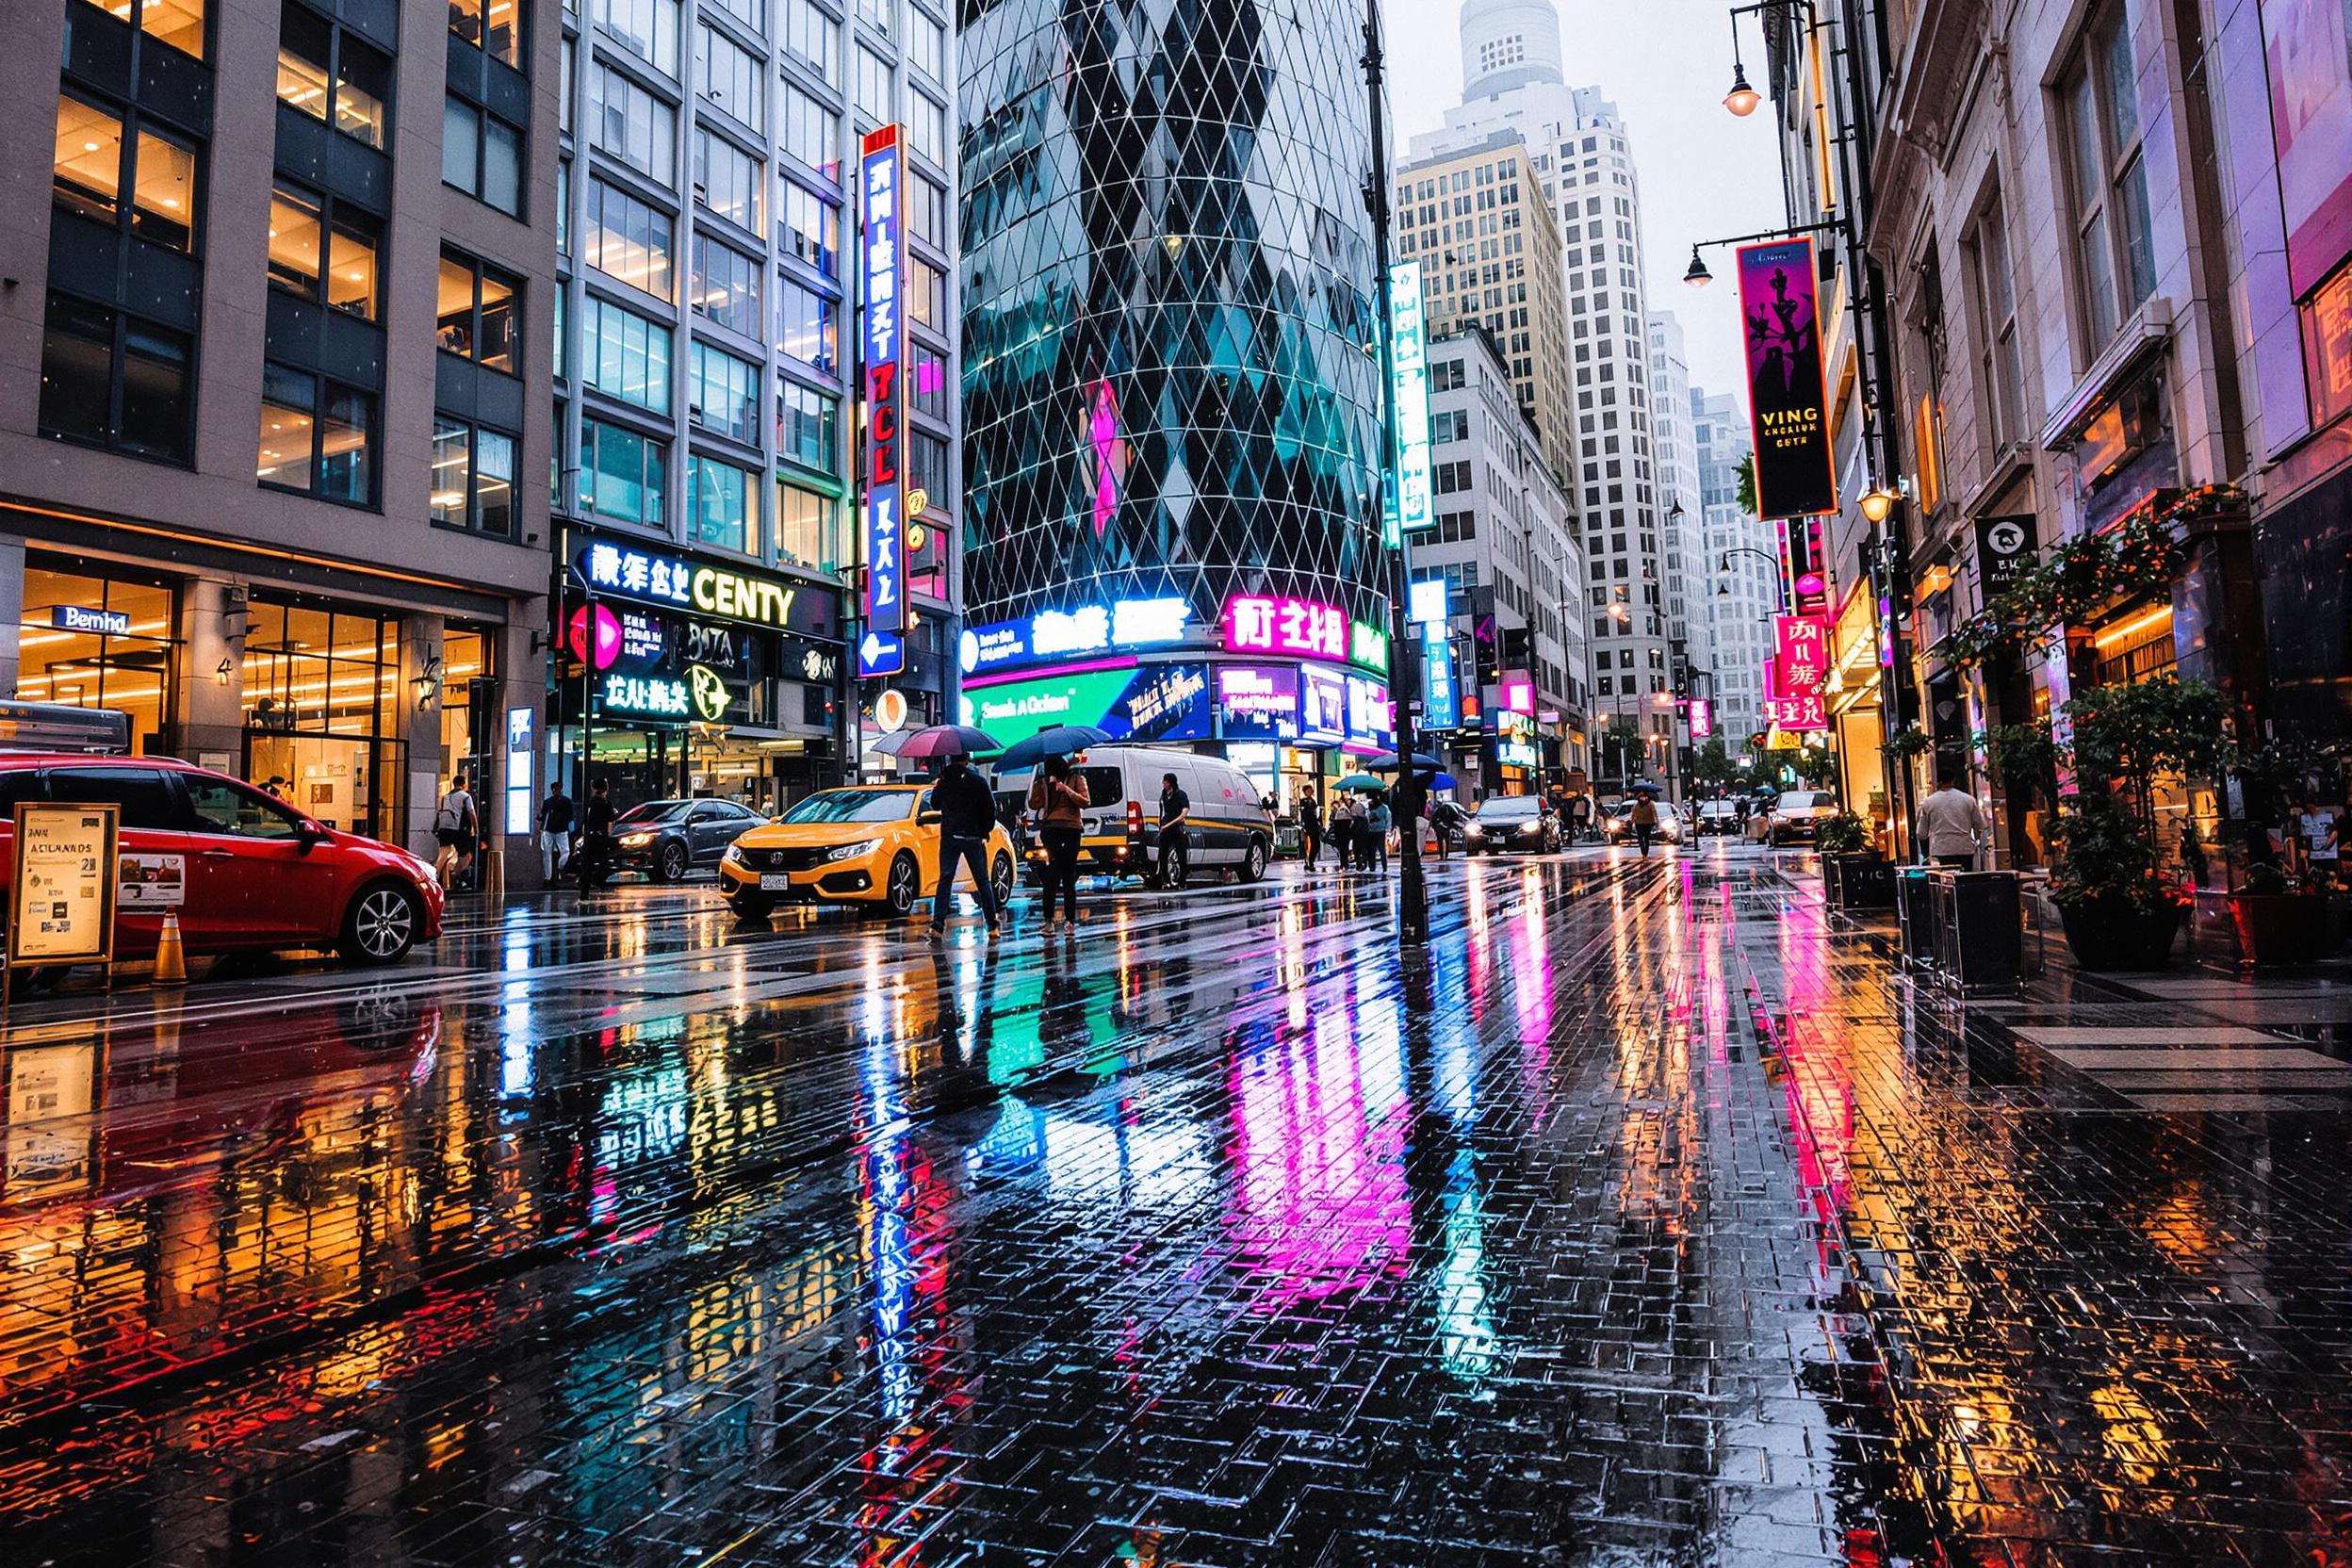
(1716, 818)
(1515, 824)
(666, 839)
(1798, 815)
(867, 845)
(241, 871)
(1231, 826)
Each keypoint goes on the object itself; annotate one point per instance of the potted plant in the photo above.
(1853, 874)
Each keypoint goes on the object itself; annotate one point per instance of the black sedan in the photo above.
(666, 839)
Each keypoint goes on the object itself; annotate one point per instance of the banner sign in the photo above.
(1257, 702)
(881, 338)
(653, 577)
(1322, 706)
(65, 885)
(2004, 552)
(1441, 702)
(150, 881)
(1800, 670)
(1410, 504)
(1371, 718)
(2311, 127)
(1257, 623)
(1788, 398)
(1151, 702)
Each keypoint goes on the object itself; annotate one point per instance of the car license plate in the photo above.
(772, 882)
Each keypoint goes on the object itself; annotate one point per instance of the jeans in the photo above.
(1642, 833)
(963, 852)
(554, 848)
(1061, 868)
(1175, 856)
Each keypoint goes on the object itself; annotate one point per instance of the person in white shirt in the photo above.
(456, 825)
(2320, 833)
(1951, 822)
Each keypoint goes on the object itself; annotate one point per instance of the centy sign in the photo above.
(881, 337)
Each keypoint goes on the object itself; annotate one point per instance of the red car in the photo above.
(242, 870)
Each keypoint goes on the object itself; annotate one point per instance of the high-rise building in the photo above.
(1681, 534)
(1489, 252)
(1504, 545)
(1516, 82)
(275, 367)
(1171, 406)
(708, 238)
(1738, 569)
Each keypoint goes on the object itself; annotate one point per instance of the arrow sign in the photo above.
(881, 654)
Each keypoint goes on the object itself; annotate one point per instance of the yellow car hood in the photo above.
(819, 835)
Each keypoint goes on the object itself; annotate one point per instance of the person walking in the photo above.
(455, 824)
(555, 833)
(1175, 832)
(1059, 799)
(593, 862)
(1310, 827)
(1379, 819)
(1580, 818)
(2319, 833)
(1951, 821)
(1644, 822)
(1446, 822)
(966, 812)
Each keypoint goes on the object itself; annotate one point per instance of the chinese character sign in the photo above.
(1779, 308)
(881, 336)
(1799, 672)
(1410, 505)
(1263, 624)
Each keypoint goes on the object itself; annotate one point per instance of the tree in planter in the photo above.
(1843, 834)
(1621, 742)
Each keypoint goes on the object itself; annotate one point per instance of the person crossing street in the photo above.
(1175, 836)
(966, 814)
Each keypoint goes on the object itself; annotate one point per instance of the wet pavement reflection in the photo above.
(1645, 1217)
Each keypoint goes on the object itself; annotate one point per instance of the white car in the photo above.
(1798, 815)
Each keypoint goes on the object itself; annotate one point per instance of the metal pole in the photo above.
(1413, 896)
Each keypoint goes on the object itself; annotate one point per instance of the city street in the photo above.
(1645, 1218)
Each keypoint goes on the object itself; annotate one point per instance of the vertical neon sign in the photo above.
(1410, 505)
(881, 338)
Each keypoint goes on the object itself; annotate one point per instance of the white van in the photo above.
(1230, 826)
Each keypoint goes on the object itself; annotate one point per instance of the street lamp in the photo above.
(1876, 502)
(1697, 276)
(1741, 100)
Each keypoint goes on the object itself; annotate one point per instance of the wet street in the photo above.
(1649, 1218)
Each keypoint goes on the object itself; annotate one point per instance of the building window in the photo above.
(930, 367)
(110, 379)
(926, 211)
(873, 84)
(751, 13)
(481, 156)
(806, 324)
(926, 129)
(813, 36)
(726, 286)
(807, 534)
(2114, 257)
(811, 133)
(718, 502)
(334, 78)
(178, 23)
(100, 155)
(730, 77)
(926, 46)
(1999, 367)
(726, 179)
(647, 28)
(477, 321)
(628, 357)
(324, 252)
(723, 394)
(879, 14)
(808, 228)
(493, 26)
(317, 437)
(628, 240)
(806, 426)
(622, 474)
(473, 477)
(632, 126)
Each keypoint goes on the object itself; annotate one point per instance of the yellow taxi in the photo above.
(866, 844)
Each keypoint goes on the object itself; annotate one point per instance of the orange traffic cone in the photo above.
(171, 957)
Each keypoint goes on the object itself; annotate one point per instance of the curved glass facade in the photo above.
(1167, 288)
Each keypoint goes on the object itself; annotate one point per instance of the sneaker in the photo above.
(938, 933)
(995, 930)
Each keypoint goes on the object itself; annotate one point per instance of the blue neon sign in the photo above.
(1122, 626)
(1411, 502)
(881, 336)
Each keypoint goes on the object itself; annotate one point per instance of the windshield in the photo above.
(854, 806)
(655, 810)
(1798, 800)
(1503, 807)
(1716, 808)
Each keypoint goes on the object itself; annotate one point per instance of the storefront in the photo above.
(682, 674)
(101, 638)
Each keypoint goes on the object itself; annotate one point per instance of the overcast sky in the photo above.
(1704, 173)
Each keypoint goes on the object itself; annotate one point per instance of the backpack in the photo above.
(453, 816)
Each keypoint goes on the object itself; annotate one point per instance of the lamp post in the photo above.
(1413, 896)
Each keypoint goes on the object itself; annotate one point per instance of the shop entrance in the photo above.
(321, 704)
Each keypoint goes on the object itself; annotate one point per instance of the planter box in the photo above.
(2276, 929)
(2119, 937)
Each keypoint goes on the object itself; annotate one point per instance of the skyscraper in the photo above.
(1171, 394)
(1738, 569)
(1515, 81)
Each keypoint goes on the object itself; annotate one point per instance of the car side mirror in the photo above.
(309, 832)
(927, 819)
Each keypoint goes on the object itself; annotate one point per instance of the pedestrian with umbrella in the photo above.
(967, 811)
(1058, 797)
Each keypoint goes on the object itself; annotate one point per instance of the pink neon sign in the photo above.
(1263, 624)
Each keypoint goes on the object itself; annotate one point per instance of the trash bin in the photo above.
(1979, 929)
(1915, 912)
(1860, 881)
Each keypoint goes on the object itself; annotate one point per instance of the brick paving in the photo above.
(1650, 1218)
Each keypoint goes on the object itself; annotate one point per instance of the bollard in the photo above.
(493, 880)
(171, 957)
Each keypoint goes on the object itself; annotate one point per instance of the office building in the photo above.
(707, 240)
(1739, 560)
(274, 361)
(1681, 531)
(1172, 421)
(1477, 222)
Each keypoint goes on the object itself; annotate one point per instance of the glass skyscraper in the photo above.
(1171, 381)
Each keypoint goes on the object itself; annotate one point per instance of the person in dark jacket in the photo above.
(967, 811)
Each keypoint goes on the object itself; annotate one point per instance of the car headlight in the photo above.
(1473, 831)
(734, 856)
(850, 852)
(635, 841)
